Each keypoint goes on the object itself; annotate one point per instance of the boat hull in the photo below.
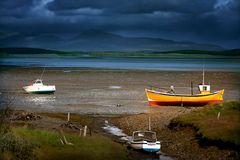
(146, 146)
(40, 89)
(156, 98)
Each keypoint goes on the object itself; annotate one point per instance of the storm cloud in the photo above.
(202, 21)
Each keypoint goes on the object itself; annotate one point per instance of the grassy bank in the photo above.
(50, 147)
(218, 122)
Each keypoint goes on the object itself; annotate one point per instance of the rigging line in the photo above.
(42, 72)
(203, 74)
(168, 87)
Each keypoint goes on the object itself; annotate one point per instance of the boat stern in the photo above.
(152, 146)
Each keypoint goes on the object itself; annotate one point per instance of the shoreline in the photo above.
(117, 69)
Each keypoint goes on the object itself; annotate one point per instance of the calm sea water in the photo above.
(126, 63)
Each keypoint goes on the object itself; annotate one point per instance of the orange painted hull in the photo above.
(156, 98)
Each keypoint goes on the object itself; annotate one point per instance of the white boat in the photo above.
(145, 140)
(39, 88)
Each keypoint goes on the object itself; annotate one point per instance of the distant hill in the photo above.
(234, 53)
(28, 51)
(94, 40)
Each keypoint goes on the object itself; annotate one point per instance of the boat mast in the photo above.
(149, 123)
(42, 73)
(203, 74)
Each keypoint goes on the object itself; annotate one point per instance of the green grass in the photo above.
(94, 147)
(226, 128)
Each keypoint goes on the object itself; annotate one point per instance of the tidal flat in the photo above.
(99, 91)
(95, 96)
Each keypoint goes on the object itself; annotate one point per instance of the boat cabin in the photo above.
(204, 88)
(144, 136)
(38, 82)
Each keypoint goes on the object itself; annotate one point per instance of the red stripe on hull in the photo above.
(178, 103)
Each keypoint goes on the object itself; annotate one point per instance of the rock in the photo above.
(70, 125)
(25, 116)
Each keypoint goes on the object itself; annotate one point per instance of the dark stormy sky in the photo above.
(202, 21)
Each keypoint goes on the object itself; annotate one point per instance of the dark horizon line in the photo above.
(146, 51)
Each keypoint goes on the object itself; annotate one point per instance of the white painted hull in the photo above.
(152, 147)
(40, 89)
(135, 145)
(146, 146)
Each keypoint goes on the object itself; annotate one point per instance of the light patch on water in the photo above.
(67, 71)
(41, 100)
(115, 87)
(116, 131)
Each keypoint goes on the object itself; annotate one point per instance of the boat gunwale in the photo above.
(183, 95)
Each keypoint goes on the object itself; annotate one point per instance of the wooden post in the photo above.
(68, 118)
(85, 131)
(218, 116)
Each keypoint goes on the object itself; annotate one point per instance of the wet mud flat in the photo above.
(117, 96)
(91, 91)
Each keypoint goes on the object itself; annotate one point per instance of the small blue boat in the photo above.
(146, 141)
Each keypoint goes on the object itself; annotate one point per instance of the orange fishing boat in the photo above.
(156, 98)
(159, 98)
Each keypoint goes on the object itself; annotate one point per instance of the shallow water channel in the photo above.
(113, 130)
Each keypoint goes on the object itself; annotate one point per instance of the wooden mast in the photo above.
(203, 74)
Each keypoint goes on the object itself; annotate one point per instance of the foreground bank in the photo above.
(209, 132)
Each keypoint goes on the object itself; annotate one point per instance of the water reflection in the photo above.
(115, 87)
(116, 131)
(40, 100)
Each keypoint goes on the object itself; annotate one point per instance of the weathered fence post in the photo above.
(68, 118)
(218, 116)
(85, 131)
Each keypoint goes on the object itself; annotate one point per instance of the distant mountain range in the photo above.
(94, 40)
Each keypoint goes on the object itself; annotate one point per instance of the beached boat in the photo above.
(170, 98)
(156, 98)
(145, 140)
(39, 88)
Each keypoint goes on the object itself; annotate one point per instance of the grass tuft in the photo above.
(215, 122)
(94, 147)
